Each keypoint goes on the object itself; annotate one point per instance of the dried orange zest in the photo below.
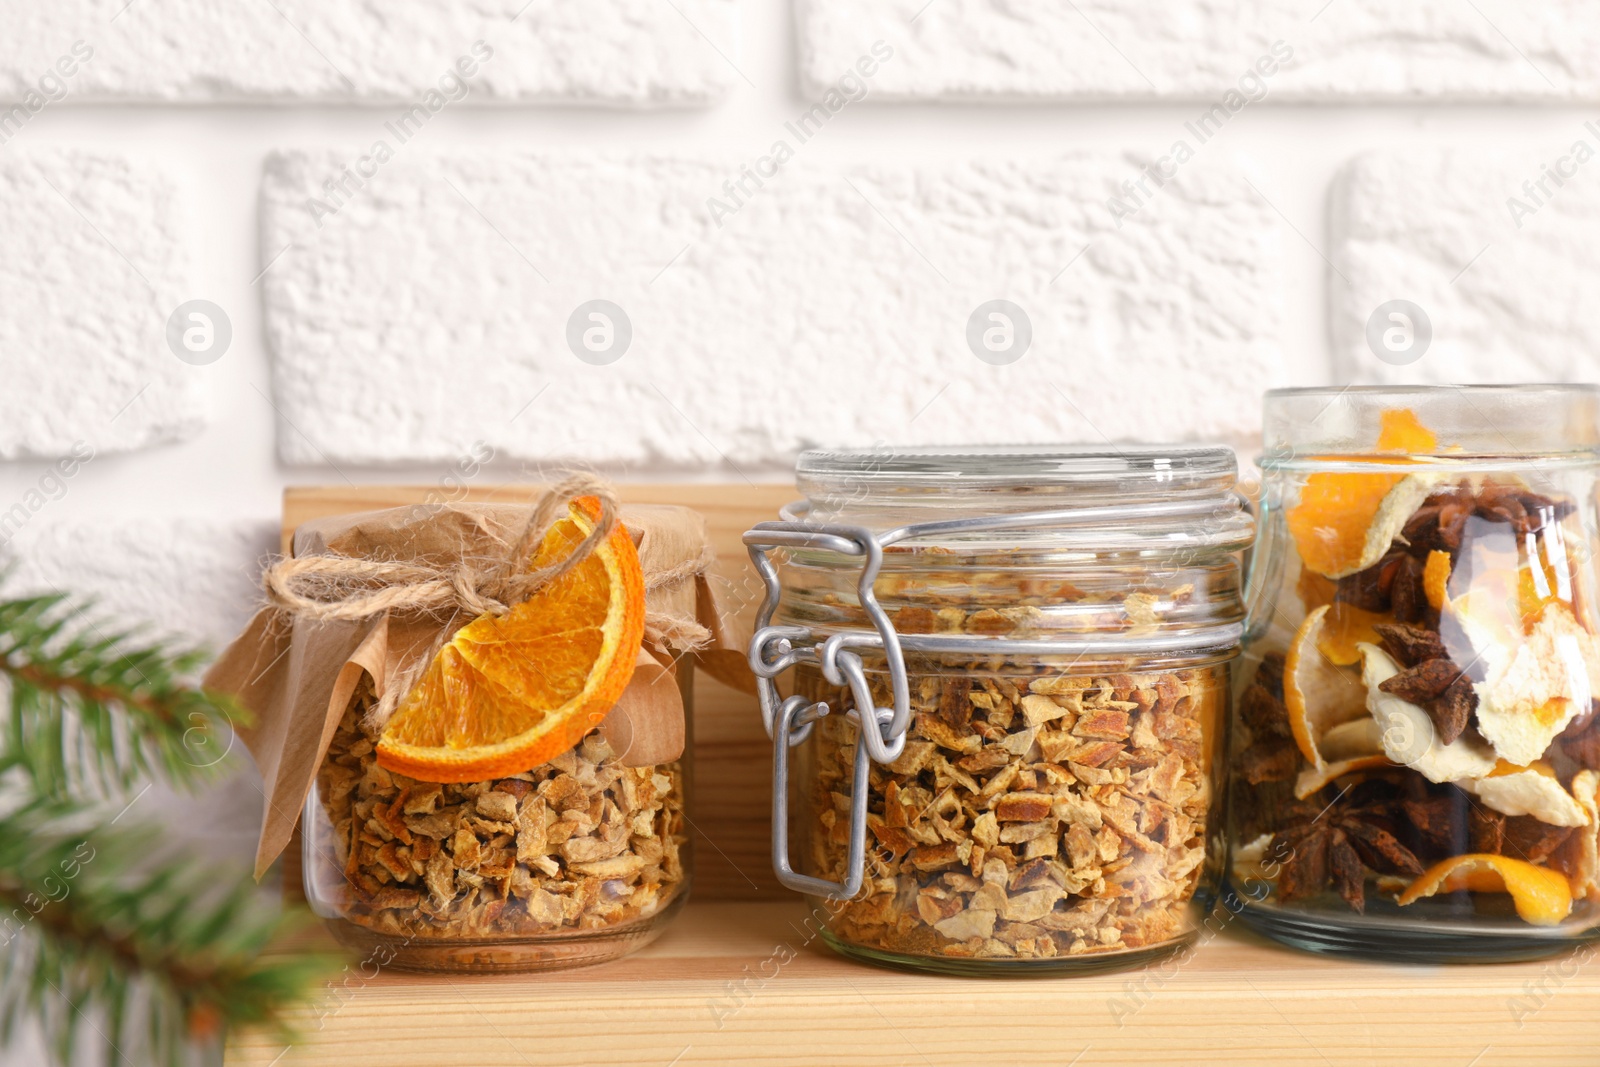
(1318, 693)
(1532, 790)
(1400, 431)
(1345, 629)
(1538, 587)
(1542, 897)
(511, 693)
(1502, 768)
(1336, 524)
(1313, 589)
(1436, 577)
(1312, 779)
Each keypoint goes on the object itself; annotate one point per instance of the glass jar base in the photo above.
(1408, 942)
(1047, 967)
(575, 948)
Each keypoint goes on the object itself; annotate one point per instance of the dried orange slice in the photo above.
(1318, 693)
(1344, 522)
(1542, 897)
(1399, 430)
(513, 692)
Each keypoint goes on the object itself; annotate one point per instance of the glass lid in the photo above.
(929, 474)
(1111, 496)
(1480, 425)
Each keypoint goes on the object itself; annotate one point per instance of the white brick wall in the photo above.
(832, 307)
(1190, 49)
(427, 311)
(96, 258)
(194, 578)
(193, 51)
(1504, 273)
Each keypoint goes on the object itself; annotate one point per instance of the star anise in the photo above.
(1486, 831)
(1443, 823)
(1437, 525)
(1521, 837)
(1393, 585)
(1529, 839)
(1410, 645)
(1272, 755)
(1270, 759)
(1336, 847)
(1526, 511)
(1429, 679)
(1261, 705)
(1371, 589)
(1408, 598)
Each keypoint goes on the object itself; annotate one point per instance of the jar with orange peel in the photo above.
(1010, 673)
(1415, 758)
(482, 712)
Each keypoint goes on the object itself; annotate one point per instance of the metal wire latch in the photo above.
(789, 722)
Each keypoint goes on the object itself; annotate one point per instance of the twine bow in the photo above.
(349, 589)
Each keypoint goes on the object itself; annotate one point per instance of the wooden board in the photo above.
(733, 785)
(741, 983)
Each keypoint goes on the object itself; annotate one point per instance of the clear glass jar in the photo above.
(578, 861)
(1045, 637)
(1413, 765)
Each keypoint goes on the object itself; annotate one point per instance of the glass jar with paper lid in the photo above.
(1416, 756)
(487, 717)
(1011, 667)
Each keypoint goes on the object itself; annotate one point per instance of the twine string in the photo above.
(349, 589)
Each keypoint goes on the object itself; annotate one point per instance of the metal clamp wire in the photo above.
(803, 714)
(847, 671)
(855, 859)
(849, 541)
(768, 667)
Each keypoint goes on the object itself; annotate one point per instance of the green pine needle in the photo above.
(92, 713)
(147, 964)
(105, 939)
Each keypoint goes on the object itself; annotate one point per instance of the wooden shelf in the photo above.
(1239, 1000)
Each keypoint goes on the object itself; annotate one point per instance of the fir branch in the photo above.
(153, 961)
(93, 713)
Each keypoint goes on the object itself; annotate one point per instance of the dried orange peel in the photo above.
(1532, 790)
(1436, 578)
(1312, 779)
(1542, 897)
(1345, 521)
(1345, 629)
(1318, 693)
(1532, 683)
(1586, 878)
(513, 692)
